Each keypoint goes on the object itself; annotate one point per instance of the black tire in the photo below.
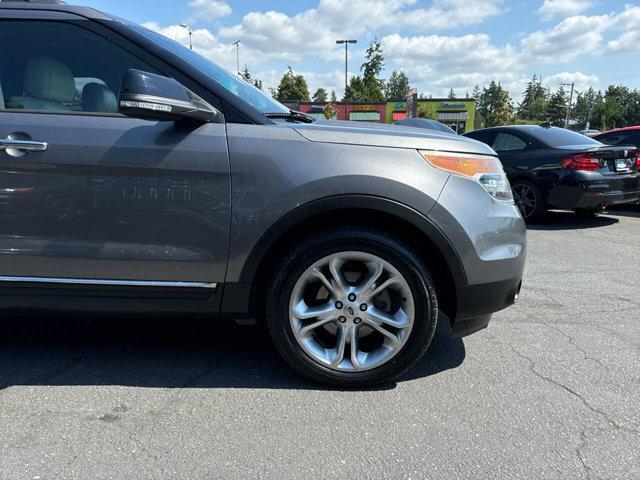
(533, 208)
(317, 247)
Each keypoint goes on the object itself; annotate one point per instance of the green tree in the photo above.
(452, 94)
(581, 108)
(334, 97)
(320, 96)
(557, 108)
(496, 106)
(535, 101)
(330, 111)
(293, 88)
(368, 87)
(616, 109)
(398, 85)
(478, 97)
(425, 112)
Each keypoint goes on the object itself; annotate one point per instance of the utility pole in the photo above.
(346, 44)
(569, 107)
(184, 25)
(237, 44)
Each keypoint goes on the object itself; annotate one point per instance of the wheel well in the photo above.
(424, 247)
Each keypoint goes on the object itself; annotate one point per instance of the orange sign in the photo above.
(364, 108)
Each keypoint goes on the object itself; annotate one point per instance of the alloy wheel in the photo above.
(352, 311)
(526, 199)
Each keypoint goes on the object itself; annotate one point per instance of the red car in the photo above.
(621, 136)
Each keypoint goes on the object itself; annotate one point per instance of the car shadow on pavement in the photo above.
(165, 353)
(557, 220)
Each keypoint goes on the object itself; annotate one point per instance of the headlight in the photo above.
(485, 170)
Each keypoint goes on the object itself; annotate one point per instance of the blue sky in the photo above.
(441, 44)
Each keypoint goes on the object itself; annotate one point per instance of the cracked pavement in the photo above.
(551, 390)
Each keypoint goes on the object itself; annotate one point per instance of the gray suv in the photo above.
(138, 177)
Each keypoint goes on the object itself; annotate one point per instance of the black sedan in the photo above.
(552, 167)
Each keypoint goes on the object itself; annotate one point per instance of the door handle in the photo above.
(26, 145)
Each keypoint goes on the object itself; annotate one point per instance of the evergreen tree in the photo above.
(398, 85)
(320, 96)
(368, 88)
(535, 101)
(293, 88)
(452, 94)
(557, 108)
(334, 97)
(478, 97)
(496, 106)
(581, 108)
(616, 109)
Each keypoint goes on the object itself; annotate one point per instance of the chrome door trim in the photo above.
(109, 283)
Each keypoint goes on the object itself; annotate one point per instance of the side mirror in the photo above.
(154, 97)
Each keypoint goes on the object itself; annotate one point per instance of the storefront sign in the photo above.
(364, 116)
(365, 108)
(453, 105)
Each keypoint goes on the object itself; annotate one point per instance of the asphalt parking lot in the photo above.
(550, 390)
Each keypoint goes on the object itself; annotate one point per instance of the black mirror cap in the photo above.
(153, 97)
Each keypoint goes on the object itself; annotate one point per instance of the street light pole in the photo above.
(346, 44)
(573, 86)
(184, 25)
(237, 44)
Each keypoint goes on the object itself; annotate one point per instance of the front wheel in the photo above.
(352, 308)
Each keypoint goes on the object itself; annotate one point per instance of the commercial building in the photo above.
(458, 114)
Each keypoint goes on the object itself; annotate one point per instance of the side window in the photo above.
(60, 67)
(505, 142)
(484, 137)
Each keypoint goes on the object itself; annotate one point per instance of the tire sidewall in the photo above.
(393, 251)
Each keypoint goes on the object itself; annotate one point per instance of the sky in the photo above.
(440, 44)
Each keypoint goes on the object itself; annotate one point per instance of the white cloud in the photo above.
(208, 10)
(450, 61)
(629, 23)
(564, 8)
(316, 30)
(572, 37)
(581, 80)
(445, 14)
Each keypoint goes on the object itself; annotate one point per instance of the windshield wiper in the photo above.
(293, 116)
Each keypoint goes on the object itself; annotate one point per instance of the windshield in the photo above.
(560, 137)
(230, 82)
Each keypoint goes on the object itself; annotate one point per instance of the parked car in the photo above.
(551, 167)
(171, 186)
(426, 124)
(620, 136)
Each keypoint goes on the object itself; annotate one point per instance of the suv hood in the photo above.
(392, 136)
